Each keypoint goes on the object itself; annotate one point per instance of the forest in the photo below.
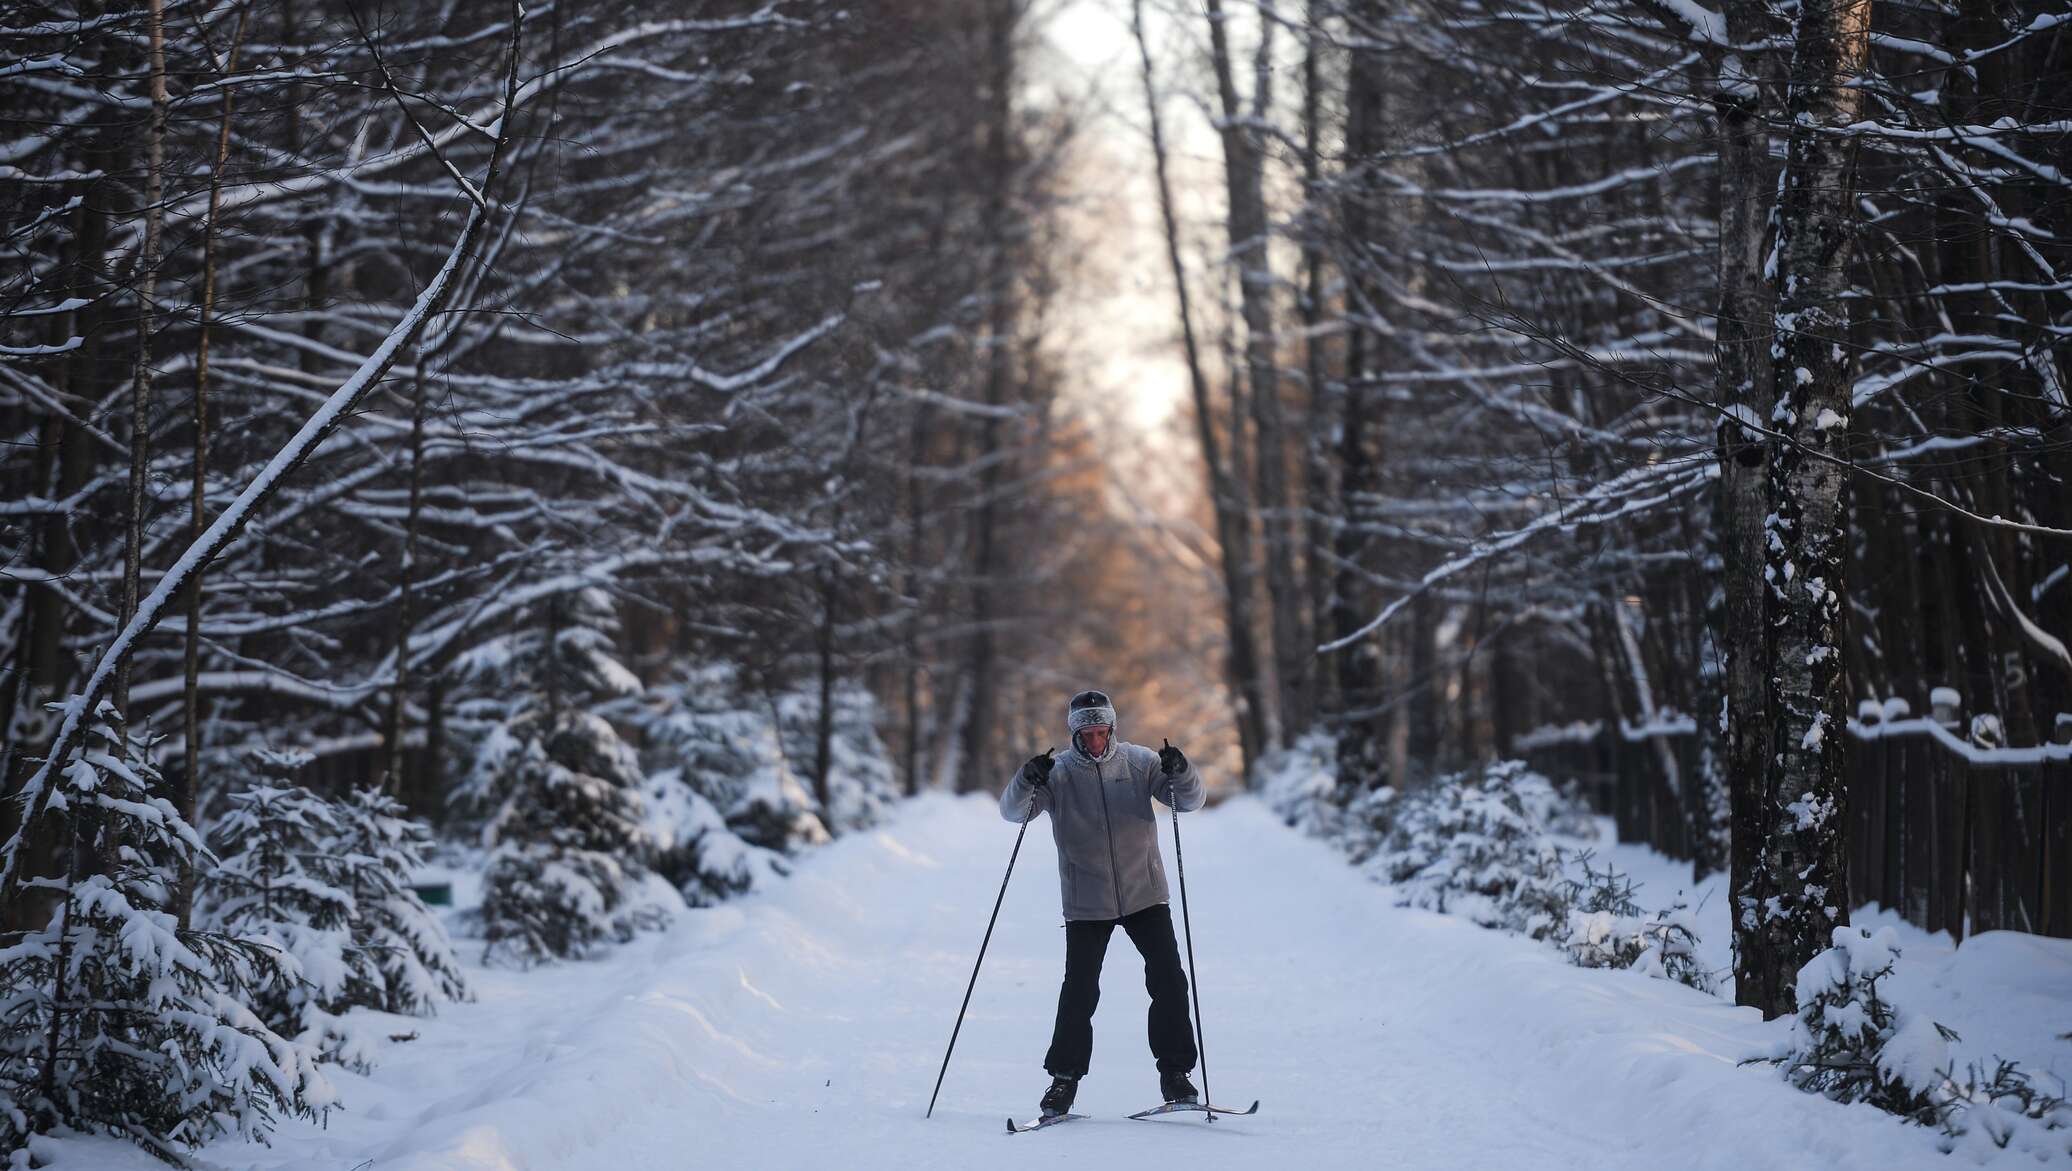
(611, 449)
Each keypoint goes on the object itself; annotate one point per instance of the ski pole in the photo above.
(1001, 897)
(1201, 1049)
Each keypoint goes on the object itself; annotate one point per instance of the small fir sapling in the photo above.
(1300, 784)
(1367, 822)
(566, 875)
(410, 946)
(328, 883)
(694, 850)
(1471, 844)
(279, 883)
(2008, 1109)
(113, 1018)
(1852, 1043)
(1608, 929)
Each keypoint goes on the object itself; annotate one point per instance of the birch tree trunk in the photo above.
(1802, 878)
(1742, 385)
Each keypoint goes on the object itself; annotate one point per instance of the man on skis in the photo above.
(1099, 798)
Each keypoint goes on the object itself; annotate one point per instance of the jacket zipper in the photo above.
(1114, 869)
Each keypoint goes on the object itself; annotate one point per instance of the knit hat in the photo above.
(1092, 709)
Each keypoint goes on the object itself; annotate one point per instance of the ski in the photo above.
(1182, 1107)
(1014, 1127)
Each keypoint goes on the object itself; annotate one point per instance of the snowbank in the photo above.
(803, 1026)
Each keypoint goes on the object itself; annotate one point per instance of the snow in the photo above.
(804, 1026)
(1704, 24)
(1815, 732)
(1668, 723)
(1975, 753)
(1578, 732)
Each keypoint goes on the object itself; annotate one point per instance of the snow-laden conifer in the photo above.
(694, 850)
(860, 786)
(328, 884)
(1300, 783)
(1608, 929)
(731, 750)
(409, 945)
(113, 1018)
(567, 873)
(1473, 844)
(556, 791)
(1853, 1042)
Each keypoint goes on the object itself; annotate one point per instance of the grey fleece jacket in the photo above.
(1105, 827)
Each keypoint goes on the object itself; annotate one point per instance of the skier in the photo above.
(1099, 796)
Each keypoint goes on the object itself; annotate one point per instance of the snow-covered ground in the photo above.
(802, 1028)
(2004, 993)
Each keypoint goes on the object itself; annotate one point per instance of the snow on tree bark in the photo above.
(1801, 889)
(1737, 730)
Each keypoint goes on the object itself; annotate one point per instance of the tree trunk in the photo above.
(393, 780)
(197, 518)
(1232, 534)
(140, 378)
(1316, 431)
(1362, 733)
(1802, 874)
(824, 717)
(978, 721)
(1743, 388)
(1244, 163)
(916, 513)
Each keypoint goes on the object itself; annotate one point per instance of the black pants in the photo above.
(1086, 944)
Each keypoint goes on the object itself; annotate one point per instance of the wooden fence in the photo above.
(1951, 836)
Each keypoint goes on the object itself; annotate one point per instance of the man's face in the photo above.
(1094, 737)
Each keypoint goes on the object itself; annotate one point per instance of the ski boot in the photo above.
(1175, 1087)
(1058, 1098)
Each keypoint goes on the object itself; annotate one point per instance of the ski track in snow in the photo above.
(803, 1028)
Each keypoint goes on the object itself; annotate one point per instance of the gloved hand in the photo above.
(1172, 760)
(1037, 771)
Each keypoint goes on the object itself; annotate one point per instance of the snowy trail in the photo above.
(803, 1028)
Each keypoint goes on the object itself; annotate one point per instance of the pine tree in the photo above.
(732, 751)
(695, 851)
(557, 791)
(860, 787)
(1475, 844)
(327, 883)
(280, 884)
(113, 1019)
(409, 946)
(567, 875)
